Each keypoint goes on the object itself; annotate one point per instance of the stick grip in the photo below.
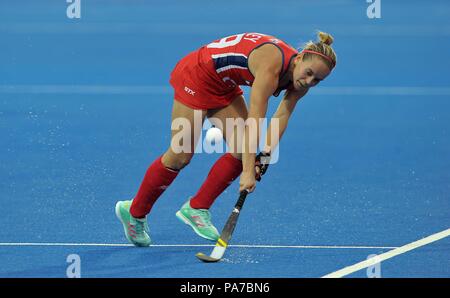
(241, 200)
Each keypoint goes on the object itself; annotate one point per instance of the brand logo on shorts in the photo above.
(189, 91)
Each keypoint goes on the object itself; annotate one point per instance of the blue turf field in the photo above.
(85, 107)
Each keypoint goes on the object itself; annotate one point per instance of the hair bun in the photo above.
(325, 38)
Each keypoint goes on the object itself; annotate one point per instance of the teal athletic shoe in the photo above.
(136, 229)
(199, 220)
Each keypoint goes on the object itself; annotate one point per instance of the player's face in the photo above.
(309, 73)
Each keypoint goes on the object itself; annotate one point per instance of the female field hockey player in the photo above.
(207, 81)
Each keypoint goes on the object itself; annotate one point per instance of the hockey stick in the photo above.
(262, 162)
(227, 232)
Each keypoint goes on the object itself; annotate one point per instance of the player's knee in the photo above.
(236, 155)
(183, 160)
(176, 161)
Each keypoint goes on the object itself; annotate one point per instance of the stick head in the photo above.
(205, 258)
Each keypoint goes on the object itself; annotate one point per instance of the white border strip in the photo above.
(197, 245)
(390, 254)
(166, 89)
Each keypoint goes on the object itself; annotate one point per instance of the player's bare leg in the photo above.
(195, 212)
(160, 174)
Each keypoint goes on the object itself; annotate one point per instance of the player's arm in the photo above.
(265, 64)
(277, 127)
(282, 116)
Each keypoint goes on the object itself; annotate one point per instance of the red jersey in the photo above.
(230, 55)
(209, 77)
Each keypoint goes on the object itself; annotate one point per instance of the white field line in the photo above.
(84, 89)
(166, 89)
(390, 254)
(196, 245)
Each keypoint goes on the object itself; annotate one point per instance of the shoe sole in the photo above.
(183, 219)
(117, 209)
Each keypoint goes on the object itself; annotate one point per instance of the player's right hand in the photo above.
(247, 182)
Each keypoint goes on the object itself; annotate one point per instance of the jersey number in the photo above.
(234, 40)
(226, 41)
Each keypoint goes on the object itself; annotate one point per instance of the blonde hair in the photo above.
(322, 47)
